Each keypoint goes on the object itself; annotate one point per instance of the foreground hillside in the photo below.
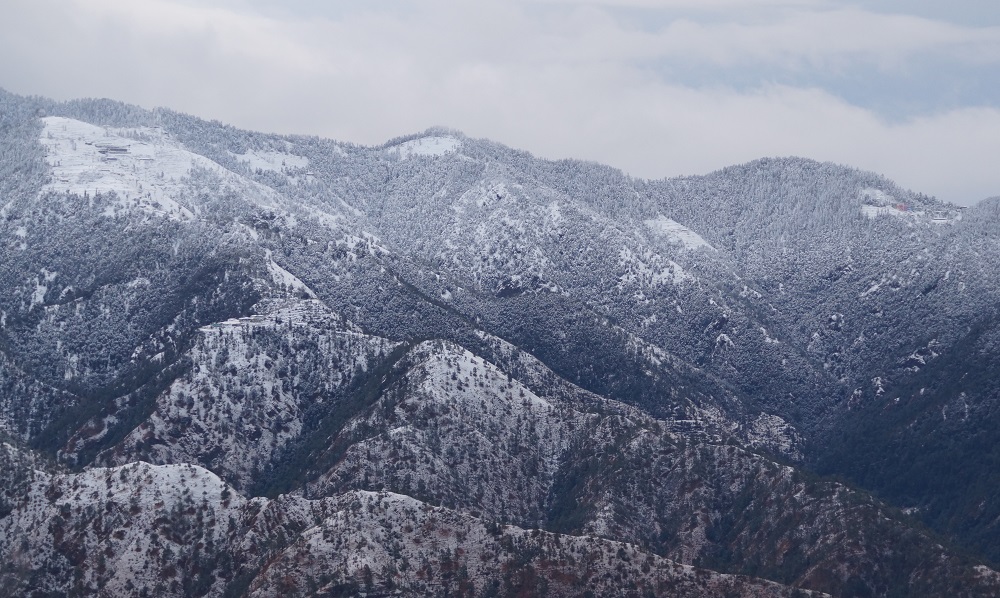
(178, 530)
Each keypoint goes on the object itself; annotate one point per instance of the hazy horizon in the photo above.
(655, 88)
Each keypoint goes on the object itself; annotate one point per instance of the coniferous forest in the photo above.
(241, 364)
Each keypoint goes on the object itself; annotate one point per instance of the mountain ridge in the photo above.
(551, 344)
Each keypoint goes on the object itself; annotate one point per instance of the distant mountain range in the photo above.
(240, 364)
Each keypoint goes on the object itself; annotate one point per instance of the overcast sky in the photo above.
(907, 88)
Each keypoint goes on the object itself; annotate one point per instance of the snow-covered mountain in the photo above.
(242, 364)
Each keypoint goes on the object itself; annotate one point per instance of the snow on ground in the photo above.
(173, 482)
(87, 159)
(649, 270)
(242, 401)
(555, 215)
(435, 145)
(273, 161)
(481, 418)
(774, 433)
(877, 196)
(879, 203)
(286, 280)
(768, 338)
(490, 383)
(41, 287)
(124, 514)
(145, 167)
(873, 212)
(945, 217)
(294, 312)
(677, 233)
(38, 296)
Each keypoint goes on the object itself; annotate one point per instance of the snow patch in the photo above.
(873, 212)
(141, 281)
(878, 203)
(724, 340)
(41, 288)
(435, 145)
(272, 161)
(876, 196)
(773, 433)
(554, 213)
(768, 338)
(144, 167)
(136, 165)
(286, 280)
(649, 270)
(676, 233)
(38, 296)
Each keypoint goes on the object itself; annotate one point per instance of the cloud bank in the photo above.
(657, 88)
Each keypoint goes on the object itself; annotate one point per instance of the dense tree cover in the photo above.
(935, 434)
(818, 301)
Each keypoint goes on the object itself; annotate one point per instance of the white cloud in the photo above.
(698, 5)
(560, 78)
(825, 39)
